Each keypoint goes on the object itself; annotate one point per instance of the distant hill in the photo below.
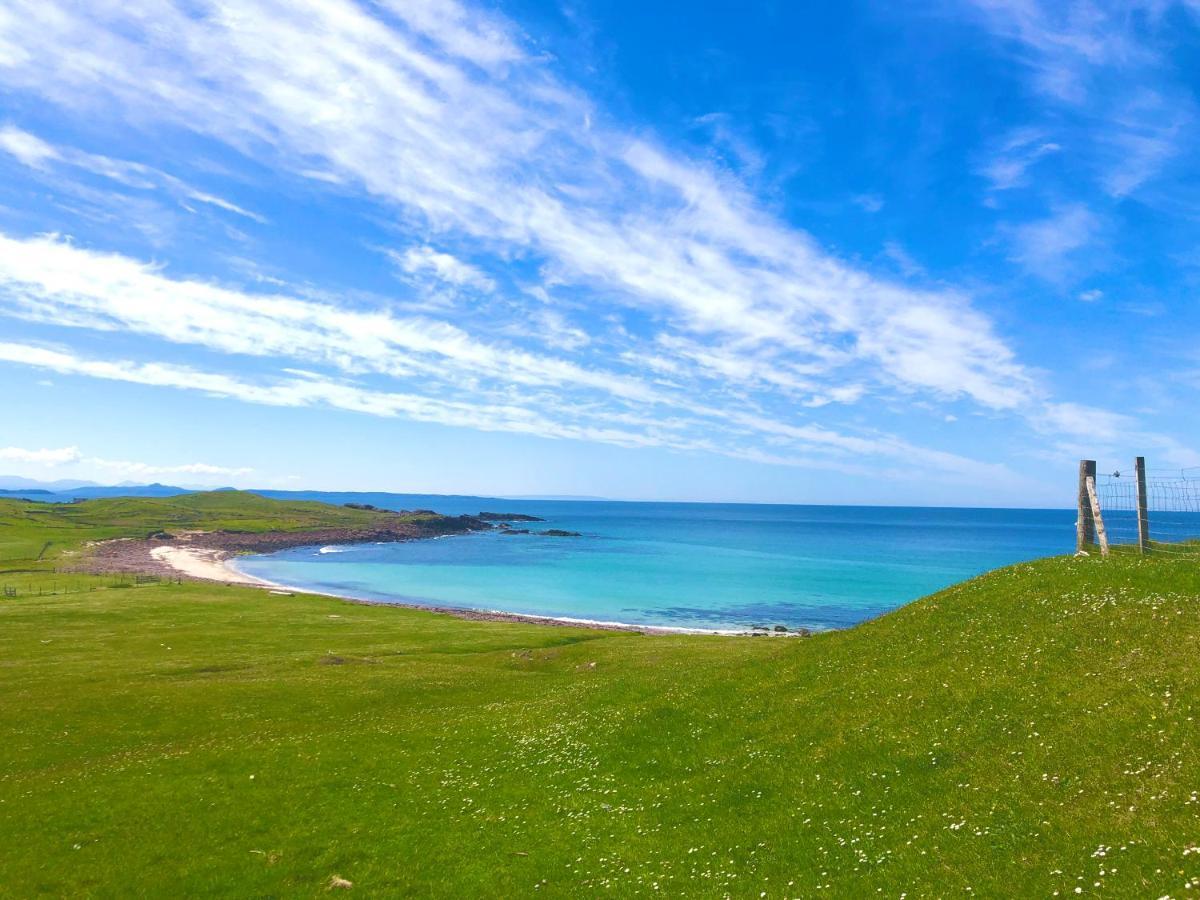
(125, 490)
(556, 497)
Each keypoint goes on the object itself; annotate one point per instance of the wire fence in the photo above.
(1171, 508)
(16, 583)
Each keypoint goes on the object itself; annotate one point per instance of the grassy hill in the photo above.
(26, 526)
(1030, 732)
(37, 538)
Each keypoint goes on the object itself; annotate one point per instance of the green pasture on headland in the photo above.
(1032, 732)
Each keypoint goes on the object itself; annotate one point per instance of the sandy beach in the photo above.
(204, 563)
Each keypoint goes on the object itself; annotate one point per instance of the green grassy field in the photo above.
(1029, 733)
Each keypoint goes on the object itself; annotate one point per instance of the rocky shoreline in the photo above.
(133, 555)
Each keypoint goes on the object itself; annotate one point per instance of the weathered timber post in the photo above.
(1143, 511)
(1097, 518)
(1085, 528)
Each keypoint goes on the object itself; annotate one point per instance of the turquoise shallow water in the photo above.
(706, 566)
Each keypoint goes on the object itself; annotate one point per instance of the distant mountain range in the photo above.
(15, 482)
(66, 490)
(12, 486)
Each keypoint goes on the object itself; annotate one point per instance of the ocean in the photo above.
(681, 565)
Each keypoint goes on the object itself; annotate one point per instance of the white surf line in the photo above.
(208, 564)
(532, 618)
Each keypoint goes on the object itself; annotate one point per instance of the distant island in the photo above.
(509, 517)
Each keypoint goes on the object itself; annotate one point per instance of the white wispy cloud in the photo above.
(26, 148)
(895, 251)
(1150, 131)
(301, 389)
(137, 470)
(551, 328)
(483, 140)
(45, 456)
(1085, 422)
(738, 437)
(1081, 431)
(30, 150)
(441, 116)
(1020, 150)
(733, 146)
(1106, 64)
(871, 203)
(1046, 246)
(53, 457)
(1066, 43)
(49, 280)
(426, 262)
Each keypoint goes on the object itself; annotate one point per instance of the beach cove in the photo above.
(705, 567)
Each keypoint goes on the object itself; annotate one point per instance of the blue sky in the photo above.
(860, 252)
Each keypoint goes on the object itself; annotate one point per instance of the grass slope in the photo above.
(1029, 732)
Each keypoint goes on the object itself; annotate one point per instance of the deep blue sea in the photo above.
(690, 565)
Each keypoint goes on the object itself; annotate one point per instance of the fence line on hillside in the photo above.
(1152, 510)
(60, 581)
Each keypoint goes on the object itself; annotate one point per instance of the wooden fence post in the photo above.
(1097, 518)
(1085, 528)
(1143, 511)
